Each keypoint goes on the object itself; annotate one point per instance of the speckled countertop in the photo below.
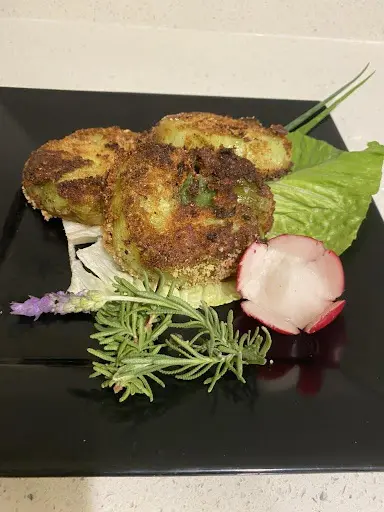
(353, 492)
(244, 48)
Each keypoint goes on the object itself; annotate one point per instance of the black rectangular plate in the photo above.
(318, 408)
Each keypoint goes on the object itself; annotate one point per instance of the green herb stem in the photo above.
(131, 356)
(306, 116)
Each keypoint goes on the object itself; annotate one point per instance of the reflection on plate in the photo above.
(299, 361)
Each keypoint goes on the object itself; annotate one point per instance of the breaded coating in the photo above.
(65, 178)
(267, 148)
(190, 214)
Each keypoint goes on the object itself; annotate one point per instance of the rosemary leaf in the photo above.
(132, 356)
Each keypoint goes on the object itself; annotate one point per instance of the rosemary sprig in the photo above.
(131, 357)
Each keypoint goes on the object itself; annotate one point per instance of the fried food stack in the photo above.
(187, 197)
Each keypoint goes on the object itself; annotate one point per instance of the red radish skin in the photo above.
(326, 317)
(291, 283)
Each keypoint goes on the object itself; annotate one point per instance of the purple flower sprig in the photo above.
(87, 301)
(60, 303)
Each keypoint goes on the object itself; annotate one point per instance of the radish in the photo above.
(291, 283)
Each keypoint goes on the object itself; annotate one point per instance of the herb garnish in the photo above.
(130, 323)
(132, 356)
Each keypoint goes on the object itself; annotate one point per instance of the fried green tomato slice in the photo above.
(267, 148)
(65, 178)
(189, 214)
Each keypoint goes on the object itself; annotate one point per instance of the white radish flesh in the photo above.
(290, 283)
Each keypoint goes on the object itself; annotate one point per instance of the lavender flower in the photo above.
(59, 303)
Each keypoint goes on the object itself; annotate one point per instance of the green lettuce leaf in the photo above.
(94, 269)
(328, 193)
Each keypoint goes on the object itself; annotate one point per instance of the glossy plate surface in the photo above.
(319, 407)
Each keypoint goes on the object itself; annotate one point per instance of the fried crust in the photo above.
(65, 178)
(267, 148)
(147, 226)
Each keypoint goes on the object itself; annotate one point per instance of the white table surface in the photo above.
(274, 50)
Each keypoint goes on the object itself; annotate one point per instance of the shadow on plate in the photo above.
(138, 409)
